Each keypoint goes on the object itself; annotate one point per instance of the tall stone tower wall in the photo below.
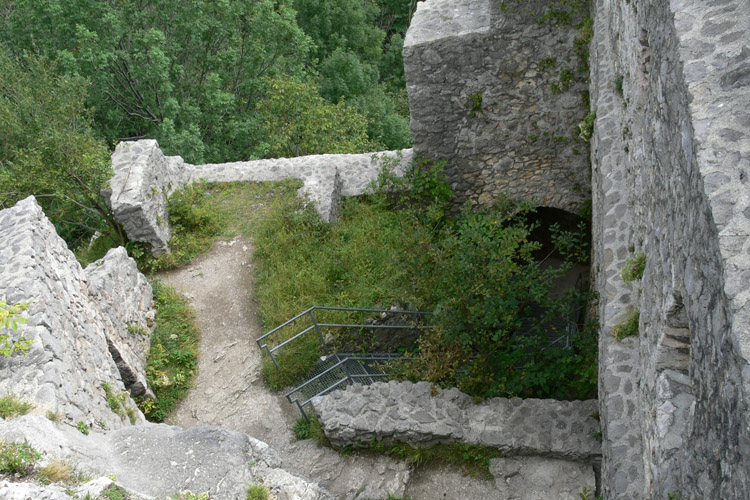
(671, 160)
(496, 91)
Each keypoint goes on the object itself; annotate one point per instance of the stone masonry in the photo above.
(671, 156)
(421, 415)
(144, 178)
(498, 95)
(69, 359)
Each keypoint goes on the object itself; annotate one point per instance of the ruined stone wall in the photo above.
(495, 91)
(671, 157)
(144, 178)
(73, 332)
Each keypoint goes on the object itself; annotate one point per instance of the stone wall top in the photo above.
(438, 19)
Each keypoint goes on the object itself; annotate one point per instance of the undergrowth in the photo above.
(173, 355)
(478, 270)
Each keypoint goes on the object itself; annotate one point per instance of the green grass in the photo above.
(257, 492)
(310, 430)
(471, 458)
(12, 407)
(172, 358)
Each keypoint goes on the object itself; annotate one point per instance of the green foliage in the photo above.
(618, 84)
(674, 496)
(341, 24)
(387, 125)
(10, 318)
(184, 72)
(172, 358)
(472, 458)
(478, 272)
(475, 104)
(629, 327)
(587, 126)
(573, 245)
(345, 76)
(189, 495)
(11, 407)
(18, 458)
(49, 150)
(82, 427)
(118, 403)
(257, 492)
(634, 267)
(311, 429)
(547, 63)
(588, 494)
(297, 122)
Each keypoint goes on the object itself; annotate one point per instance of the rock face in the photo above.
(144, 178)
(493, 90)
(69, 359)
(671, 156)
(124, 296)
(142, 182)
(410, 413)
(159, 460)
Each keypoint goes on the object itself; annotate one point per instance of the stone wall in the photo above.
(144, 178)
(671, 155)
(69, 359)
(422, 415)
(497, 93)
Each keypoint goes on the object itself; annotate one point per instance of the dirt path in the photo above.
(229, 390)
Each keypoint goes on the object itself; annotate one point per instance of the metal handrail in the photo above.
(262, 345)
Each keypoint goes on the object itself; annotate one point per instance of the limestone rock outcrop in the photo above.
(69, 360)
(125, 297)
(159, 460)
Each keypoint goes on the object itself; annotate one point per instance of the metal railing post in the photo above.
(320, 334)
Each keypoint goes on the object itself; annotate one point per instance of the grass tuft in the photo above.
(629, 327)
(18, 458)
(11, 407)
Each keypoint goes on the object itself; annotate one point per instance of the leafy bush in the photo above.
(18, 458)
(172, 358)
(10, 318)
(49, 149)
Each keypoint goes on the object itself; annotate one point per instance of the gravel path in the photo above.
(229, 390)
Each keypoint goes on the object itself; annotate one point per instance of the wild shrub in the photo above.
(18, 458)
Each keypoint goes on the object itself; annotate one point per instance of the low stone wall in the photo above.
(420, 414)
(144, 178)
(69, 359)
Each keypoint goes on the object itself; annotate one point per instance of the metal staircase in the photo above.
(338, 369)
